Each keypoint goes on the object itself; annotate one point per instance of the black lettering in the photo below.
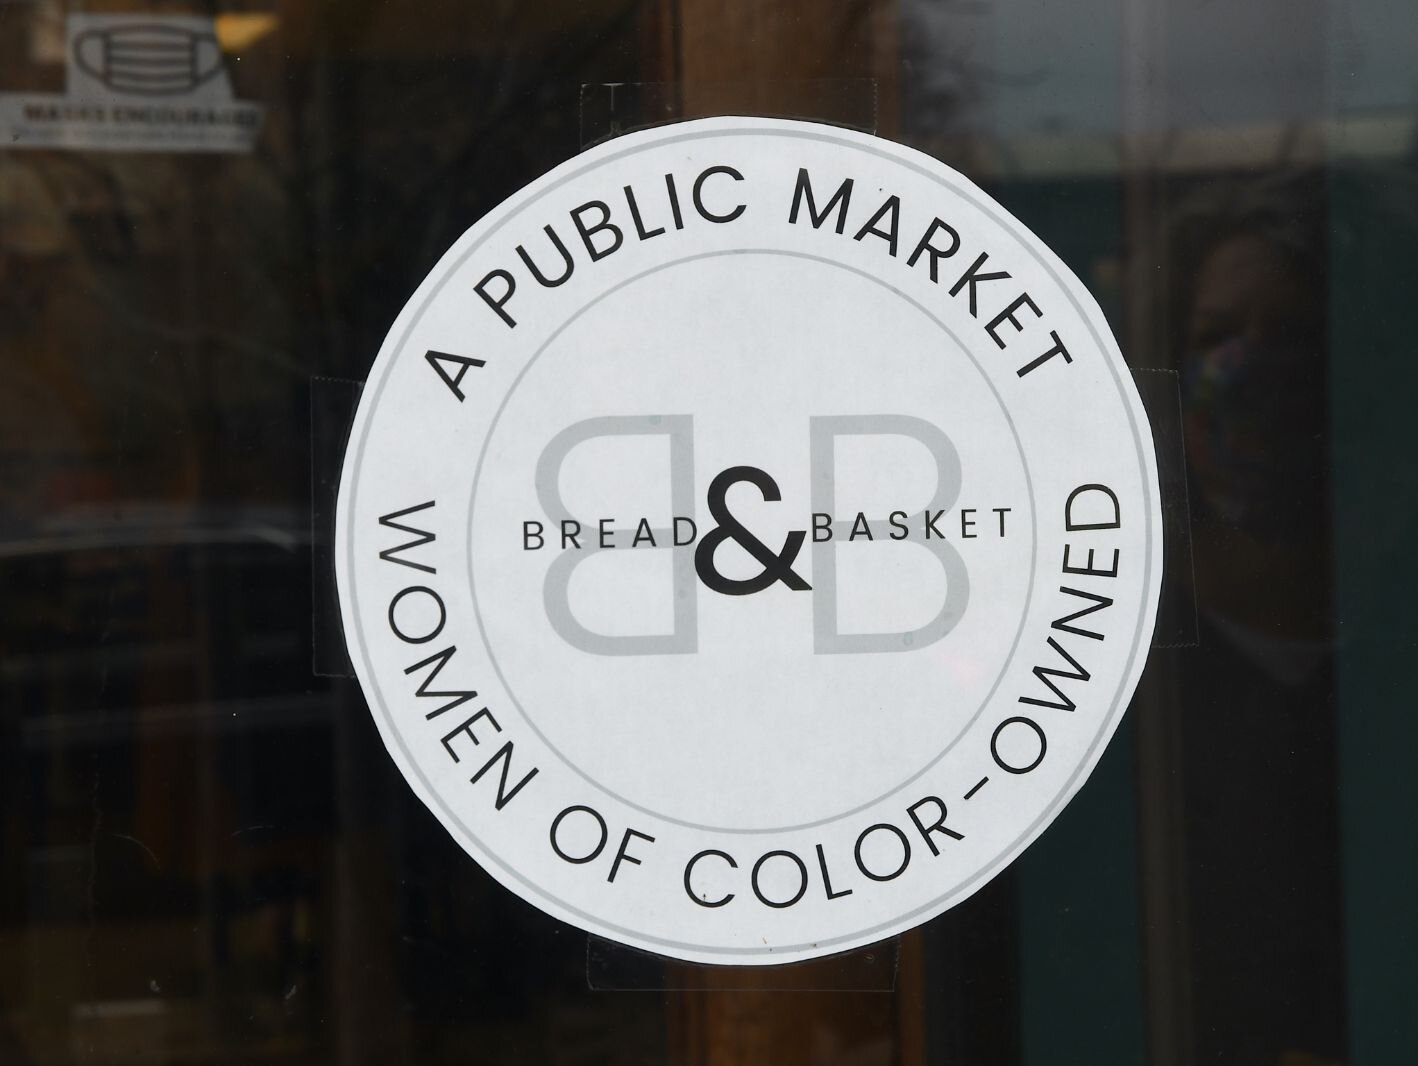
(504, 754)
(673, 194)
(972, 277)
(532, 528)
(840, 200)
(570, 530)
(411, 590)
(465, 363)
(1073, 526)
(1057, 349)
(827, 878)
(1010, 767)
(890, 209)
(439, 660)
(938, 826)
(600, 844)
(905, 852)
(1047, 673)
(622, 855)
(603, 226)
(542, 279)
(821, 523)
(689, 874)
(1088, 568)
(1099, 602)
(498, 304)
(802, 873)
(466, 728)
(897, 520)
(423, 536)
(937, 254)
(1007, 315)
(640, 230)
(699, 195)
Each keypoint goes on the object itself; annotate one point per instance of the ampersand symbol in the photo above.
(776, 566)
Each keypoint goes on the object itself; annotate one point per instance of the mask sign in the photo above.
(142, 83)
(748, 540)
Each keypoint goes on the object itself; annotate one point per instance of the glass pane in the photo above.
(206, 854)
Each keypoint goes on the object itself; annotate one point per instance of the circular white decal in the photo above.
(748, 540)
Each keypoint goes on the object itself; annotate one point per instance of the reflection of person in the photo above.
(1258, 765)
(1254, 389)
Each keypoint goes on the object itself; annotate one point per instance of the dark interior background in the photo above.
(207, 857)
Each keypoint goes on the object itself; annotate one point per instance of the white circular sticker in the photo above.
(748, 540)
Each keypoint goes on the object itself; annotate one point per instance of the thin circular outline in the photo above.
(789, 129)
(1033, 537)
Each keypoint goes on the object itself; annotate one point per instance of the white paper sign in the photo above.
(748, 540)
(136, 83)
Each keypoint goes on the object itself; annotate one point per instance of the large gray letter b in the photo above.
(823, 433)
(685, 637)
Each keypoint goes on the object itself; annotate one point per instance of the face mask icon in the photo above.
(148, 59)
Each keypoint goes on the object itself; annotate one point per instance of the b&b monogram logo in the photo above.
(578, 538)
(748, 540)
